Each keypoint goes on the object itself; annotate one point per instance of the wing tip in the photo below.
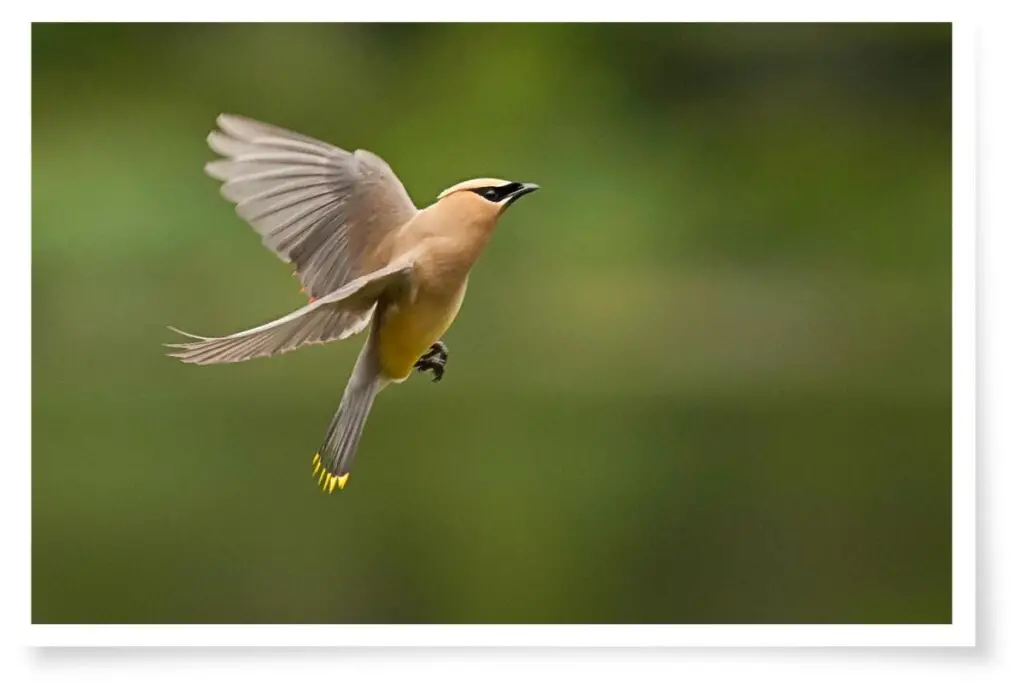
(219, 142)
(187, 334)
(225, 119)
(216, 170)
(184, 357)
(189, 352)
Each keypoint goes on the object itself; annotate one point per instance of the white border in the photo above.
(960, 633)
(596, 635)
(964, 298)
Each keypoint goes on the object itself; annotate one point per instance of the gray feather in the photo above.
(333, 461)
(317, 206)
(338, 315)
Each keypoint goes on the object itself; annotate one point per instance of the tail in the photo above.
(332, 463)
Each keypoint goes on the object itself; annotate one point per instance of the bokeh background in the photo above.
(703, 376)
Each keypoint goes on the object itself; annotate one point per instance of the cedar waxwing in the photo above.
(365, 255)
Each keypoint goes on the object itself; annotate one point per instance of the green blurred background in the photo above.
(702, 376)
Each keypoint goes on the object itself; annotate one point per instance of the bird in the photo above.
(364, 254)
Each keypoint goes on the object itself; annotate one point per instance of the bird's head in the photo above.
(487, 195)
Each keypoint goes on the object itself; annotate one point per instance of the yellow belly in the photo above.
(408, 330)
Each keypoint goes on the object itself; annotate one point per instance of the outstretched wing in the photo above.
(321, 208)
(338, 315)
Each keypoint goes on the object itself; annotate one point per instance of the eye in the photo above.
(495, 195)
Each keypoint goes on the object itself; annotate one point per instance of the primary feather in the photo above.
(336, 316)
(319, 207)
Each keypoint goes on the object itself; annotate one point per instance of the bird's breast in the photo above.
(408, 328)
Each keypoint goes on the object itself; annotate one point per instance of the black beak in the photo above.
(522, 190)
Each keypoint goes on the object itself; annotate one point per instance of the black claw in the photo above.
(434, 365)
(440, 350)
(434, 360)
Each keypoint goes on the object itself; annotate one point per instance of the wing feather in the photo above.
(323, 209)
(335, 316)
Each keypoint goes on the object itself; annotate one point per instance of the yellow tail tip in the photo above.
(327, 481)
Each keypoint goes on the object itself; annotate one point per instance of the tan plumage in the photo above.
(362, 251)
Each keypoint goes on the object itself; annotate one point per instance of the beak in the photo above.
(525, 189)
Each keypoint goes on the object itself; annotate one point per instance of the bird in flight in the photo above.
(364, 254)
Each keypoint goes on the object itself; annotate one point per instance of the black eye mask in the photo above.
(498, 194)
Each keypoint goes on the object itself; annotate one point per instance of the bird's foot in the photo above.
(434, 360)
